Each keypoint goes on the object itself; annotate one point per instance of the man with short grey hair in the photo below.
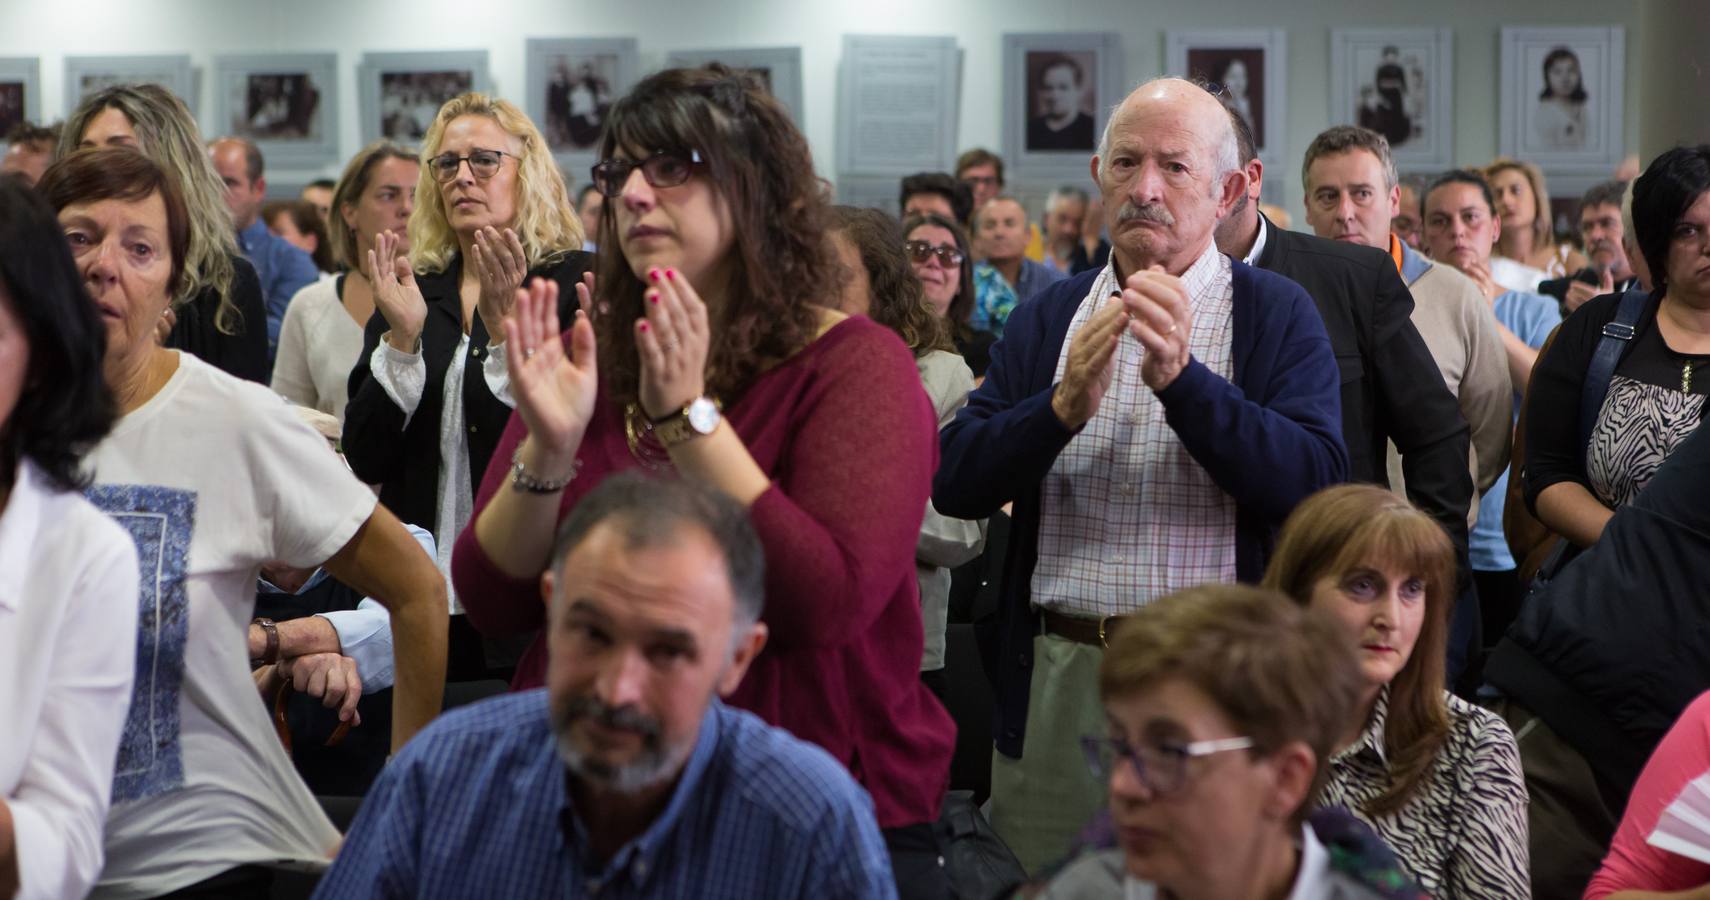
(1603, 235)
(1153, 422)
(626, 776)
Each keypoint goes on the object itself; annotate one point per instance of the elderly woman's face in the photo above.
(1218, 801)
(123, 252)
(471, 202)
(14, 356)
(1689, 252)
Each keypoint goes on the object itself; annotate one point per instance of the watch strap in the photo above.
(271, 630)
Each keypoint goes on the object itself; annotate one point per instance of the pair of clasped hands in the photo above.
(554, 391)
(1154, 307)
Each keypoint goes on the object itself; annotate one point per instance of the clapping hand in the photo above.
(1578, 291)
(673, 342)
(501, 265)
(1086, 375)
(1158, 309)
(395, 293)
(554, 392)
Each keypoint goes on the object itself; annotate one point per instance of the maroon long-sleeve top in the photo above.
(847, 436)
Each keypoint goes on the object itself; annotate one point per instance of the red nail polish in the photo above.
(671, 274)
(654, 275)
(644, 326)
(653, 299)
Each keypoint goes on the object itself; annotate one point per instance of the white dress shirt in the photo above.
(68, 643)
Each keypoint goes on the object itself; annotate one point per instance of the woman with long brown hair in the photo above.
(1438, 778)
(714, 355)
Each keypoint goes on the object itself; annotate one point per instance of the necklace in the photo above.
(1686, 376)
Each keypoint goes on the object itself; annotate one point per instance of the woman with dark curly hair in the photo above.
(67, 601)
(714, 355)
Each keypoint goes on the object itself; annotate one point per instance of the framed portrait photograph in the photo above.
(1248, 67)
(1561, 102)
(84, 75)
(778, 68)
(1058, 90)
(20, 93)
(572, 84)
(286, 103)
(402, 92)
(1399, 83)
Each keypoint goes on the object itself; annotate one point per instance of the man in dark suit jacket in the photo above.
(1391, 387)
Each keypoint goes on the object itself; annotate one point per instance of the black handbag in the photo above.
(977, 862)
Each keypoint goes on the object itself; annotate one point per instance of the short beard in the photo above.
(655, 764)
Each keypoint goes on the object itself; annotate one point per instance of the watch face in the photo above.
(703, 415)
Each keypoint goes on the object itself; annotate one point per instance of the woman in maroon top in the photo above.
(712, 358)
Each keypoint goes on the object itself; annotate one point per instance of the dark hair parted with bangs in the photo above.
(896, 300)
(1661, 196)
(66, 406)
(759, 165)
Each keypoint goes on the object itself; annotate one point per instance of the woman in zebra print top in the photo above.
(1438, 778)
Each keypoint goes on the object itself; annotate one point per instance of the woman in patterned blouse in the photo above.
(1438, 778)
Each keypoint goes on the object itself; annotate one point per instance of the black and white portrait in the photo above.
(579, 93)
(1561, 102)
(277, 106)
(1392, 102)
(12, 111)
(1397, 82)
(1240, 73)
(410, 100)
(1558, 120)
(1062, 98)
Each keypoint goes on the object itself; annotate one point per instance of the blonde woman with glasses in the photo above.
(431, 392)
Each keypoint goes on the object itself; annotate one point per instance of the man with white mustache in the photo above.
(626, 776)
(1153, 421)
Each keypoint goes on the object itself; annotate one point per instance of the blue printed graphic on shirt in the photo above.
(160, 520)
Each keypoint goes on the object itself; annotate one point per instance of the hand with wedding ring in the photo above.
(554, 392)
(673, 343)
(395, 293)
(1160, 317)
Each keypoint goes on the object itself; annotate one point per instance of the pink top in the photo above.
(1632, 864)
(847, 435)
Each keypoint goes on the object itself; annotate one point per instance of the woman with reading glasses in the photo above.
(431, 390)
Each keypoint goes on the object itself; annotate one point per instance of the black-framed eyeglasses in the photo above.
(483, 164)
(1160, 766)
(920, 251)
(665, 168)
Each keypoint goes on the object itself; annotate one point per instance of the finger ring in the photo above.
(1171, 331)
(529, 353)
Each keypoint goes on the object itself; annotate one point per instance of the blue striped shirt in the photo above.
(477, 806)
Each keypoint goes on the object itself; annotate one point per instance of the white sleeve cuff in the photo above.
(497, 372)
(365, 635)
(403, 376)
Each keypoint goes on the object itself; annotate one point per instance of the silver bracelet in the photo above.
(522, 481)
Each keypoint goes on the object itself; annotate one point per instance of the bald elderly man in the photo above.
(1153, 421)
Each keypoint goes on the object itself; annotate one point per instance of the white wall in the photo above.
(52, 29)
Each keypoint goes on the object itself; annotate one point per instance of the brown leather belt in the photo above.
(1081, 630)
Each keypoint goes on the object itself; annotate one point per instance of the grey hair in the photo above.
(1227, 152)
(1629, 236)
(653, 512)
(1346, 139)
(1066, 192)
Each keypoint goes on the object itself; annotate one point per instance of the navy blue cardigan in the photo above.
(1269, 439)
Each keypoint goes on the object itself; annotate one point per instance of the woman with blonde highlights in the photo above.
(1438, 778)
(217, 313)
(1528, 242)
(431, 389)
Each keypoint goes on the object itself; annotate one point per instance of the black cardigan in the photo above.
(243, 354)
(404, 460)
(1392, 389)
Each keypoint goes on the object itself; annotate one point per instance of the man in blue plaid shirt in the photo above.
(626, 776)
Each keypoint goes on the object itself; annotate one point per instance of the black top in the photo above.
(1652, 405)
(1392, 389)
(1080, 260)
(1077, 135)
(404, 459)
(976, 350)
(243, 354)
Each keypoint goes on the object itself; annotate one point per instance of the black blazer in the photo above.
(243, 354)
(1392, 389)
(404, 461)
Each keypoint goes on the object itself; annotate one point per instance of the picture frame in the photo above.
(400, 93)
(1398, 82)
(20, 93)
(1058, 91)
(1259, 87)
(779, 68)
(286, 104)
(1562, 98)
(899, 100)
(572, 83)
(86, 74)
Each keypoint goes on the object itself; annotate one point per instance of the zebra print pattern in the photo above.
(1463, 834)
(1637, 428)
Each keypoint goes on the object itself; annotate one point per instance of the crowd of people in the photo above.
(1147, 549)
